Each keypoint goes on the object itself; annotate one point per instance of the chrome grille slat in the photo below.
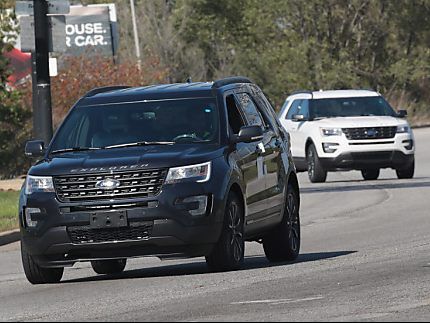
(87, 189)
(136, 183)
(370, 133)
(64, 179)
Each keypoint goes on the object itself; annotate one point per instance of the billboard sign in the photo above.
(91, 29)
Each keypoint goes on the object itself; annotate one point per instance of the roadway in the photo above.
(365, 256)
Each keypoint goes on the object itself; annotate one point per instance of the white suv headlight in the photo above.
(35, 184)
(195, 173)
(403, 129)
(331, 132)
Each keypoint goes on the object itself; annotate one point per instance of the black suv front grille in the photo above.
(136, 231)
(142, 183)
(370, 133)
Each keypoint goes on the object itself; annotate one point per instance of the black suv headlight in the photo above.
(194, 173)
(34, 184)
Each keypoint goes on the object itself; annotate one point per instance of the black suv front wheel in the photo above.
(36, 274)
(283, 243)
(229, 252)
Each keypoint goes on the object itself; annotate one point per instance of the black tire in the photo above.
(109, 267)
(406, 173)
(229, 252)
(283, 243)
(316, 172)
(36, 274)
(370, 174)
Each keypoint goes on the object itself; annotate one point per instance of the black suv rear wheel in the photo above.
(229, 252)
(283, 243)
(36, 274)
(109, 267)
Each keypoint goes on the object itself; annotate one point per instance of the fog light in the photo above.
(196, 205)
(409, 144)
(330, 147)
(28, 212)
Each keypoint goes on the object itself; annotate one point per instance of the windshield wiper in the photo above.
(66, 150)
(140, 143)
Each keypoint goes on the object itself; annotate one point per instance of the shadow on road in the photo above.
(364, 186)
(198, 268)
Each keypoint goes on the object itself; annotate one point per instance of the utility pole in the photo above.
(136, 36)
(42, 110)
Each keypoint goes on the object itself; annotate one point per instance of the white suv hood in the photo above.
(361, 122)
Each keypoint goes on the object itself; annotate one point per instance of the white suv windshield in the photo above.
(350, 107)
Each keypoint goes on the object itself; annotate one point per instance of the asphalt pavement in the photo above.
(365, 257)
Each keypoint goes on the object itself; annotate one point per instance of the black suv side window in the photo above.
(235, 119)
(294, 109)
(251, 111)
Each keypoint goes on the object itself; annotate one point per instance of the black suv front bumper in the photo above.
(156, 227)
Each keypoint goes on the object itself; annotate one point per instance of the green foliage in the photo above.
(317, 44)
(8, 210)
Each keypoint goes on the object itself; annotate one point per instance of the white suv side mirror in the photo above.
(299, 118)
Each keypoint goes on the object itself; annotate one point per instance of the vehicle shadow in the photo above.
(364, 186)
(199, 268)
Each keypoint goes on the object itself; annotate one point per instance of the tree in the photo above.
(13, 116)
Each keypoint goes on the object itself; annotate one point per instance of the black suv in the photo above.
(178, 170)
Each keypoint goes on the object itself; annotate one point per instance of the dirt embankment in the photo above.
(11, 184)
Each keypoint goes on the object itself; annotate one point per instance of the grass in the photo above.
(8, 210)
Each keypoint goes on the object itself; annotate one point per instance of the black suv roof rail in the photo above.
(105, 89)
(230, 80)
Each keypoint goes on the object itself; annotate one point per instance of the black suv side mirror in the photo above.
(35, 148)
(299, 118)
(402, 113)
(249, 134)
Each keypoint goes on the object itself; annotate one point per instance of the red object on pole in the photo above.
(20, 65)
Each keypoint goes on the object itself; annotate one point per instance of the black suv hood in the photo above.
(124, 159)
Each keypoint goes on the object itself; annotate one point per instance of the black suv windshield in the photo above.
(138, 123)
(350, 107)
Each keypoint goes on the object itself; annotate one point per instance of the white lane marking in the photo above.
(278, 301)
(300, 300)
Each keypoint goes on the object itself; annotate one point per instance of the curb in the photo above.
(9, 237)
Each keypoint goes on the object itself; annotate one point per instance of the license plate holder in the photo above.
(105, 220)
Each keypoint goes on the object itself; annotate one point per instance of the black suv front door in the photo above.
(249, 160)
(269, 166)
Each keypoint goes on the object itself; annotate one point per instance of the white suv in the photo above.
(347, 130)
